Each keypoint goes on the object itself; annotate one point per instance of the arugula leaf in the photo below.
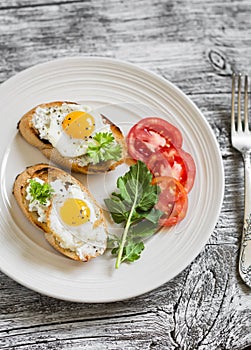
(117, 208)
(40, 192)
(146, 227)
(133, 206)
(138, 231)
(131, 251)
(104, 147)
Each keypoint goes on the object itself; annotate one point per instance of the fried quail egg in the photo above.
(75, 220)
(68, 127)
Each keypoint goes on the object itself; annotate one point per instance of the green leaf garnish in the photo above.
(133, 205)
(40, 192)
(131, 251)
(103, 148)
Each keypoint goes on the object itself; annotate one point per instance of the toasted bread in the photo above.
(49, 174)
(31, 135)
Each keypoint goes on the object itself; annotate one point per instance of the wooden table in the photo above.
(196, 45)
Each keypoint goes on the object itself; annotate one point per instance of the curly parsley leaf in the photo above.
(103, 148)
(133, 205)
(40, 192)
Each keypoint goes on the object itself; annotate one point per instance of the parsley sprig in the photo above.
(133, 206)
(40, 192)
(103, 148)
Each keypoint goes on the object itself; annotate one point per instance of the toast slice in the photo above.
(50, 174)
(31, 135)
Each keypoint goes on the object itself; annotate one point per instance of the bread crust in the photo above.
(30, 134)
(45, 172)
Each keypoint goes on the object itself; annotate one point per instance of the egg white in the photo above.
(48, 122)
(87, 239)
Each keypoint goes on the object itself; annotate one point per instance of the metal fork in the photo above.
(241, 140)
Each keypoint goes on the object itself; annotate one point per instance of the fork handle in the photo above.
(245, 250)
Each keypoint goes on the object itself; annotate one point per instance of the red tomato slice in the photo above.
(190, 168)
(149, 134)
(158, 165)
(138, 148)
(182, 165)
(170, 161)
(163, 128)
(167, 162)
(172, 201)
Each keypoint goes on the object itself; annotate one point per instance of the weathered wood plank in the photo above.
(207, 301)
(30, 35)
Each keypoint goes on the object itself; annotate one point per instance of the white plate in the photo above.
(124, 93)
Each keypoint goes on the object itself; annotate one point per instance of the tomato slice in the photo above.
(158, 165)
(137, 147)
(190, 168)
(170, 161)
(182, 164)
(163, 128)
(149, 134)
(173, 200)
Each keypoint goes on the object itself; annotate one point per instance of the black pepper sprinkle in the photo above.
(67, 184)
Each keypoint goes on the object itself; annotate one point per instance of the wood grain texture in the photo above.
(196, 45)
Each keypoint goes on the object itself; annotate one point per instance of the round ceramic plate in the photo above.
(124, 93)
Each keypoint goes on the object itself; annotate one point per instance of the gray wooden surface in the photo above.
(195, 44)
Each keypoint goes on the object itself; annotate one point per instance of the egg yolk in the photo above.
(75, 212)
(78, 124)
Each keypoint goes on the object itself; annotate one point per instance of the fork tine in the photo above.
(233, 100)
(246, 103)
(239, 125)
